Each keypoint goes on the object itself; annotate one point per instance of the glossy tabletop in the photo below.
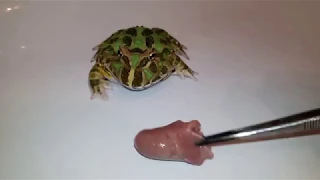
(257, 60)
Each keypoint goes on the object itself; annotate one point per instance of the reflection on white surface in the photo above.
(256, 61)
(9, 6)
(8, 9)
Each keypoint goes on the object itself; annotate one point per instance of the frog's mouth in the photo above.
(137, 50)
(143, 53)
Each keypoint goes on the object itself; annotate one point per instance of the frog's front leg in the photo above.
(182, 69)
(99, 81)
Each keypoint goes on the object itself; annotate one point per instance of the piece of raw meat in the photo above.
(173, 142)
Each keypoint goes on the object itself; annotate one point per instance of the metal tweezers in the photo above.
(302, 124)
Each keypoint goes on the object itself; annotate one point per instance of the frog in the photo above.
(137, 58)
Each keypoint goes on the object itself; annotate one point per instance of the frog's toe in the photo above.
(99, 88)
(181, 52)
(183, 70)
(187, 73)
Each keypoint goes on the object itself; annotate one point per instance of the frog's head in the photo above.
(136, 58)
(140, 67)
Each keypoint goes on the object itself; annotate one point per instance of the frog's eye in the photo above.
(152, 56)
(119, 53)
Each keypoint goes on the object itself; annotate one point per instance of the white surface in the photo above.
(256, 61)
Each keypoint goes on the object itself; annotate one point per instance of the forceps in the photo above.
(301, 124)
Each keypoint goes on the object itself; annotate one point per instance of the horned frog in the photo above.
(137, 58)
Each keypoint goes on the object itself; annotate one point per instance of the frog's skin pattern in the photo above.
(137, 58)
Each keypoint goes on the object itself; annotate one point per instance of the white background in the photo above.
(256, 61)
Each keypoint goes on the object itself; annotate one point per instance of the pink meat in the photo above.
(173, 142)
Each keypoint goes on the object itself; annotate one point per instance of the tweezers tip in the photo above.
(201, 143)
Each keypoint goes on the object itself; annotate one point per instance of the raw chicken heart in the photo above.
(174, 142)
